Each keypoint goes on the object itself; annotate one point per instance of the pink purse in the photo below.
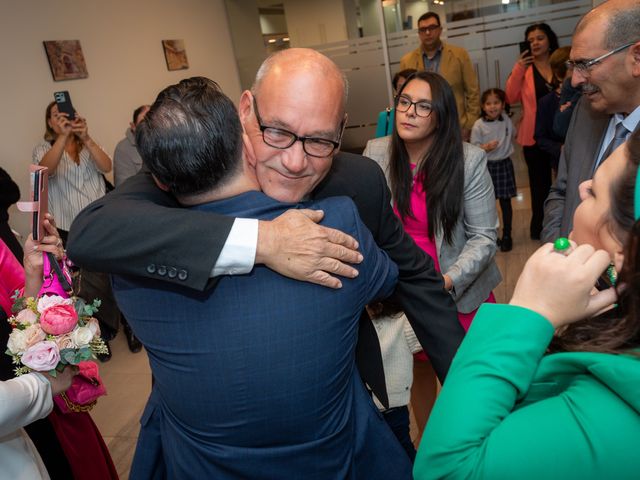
(84, 392)
(56, 277)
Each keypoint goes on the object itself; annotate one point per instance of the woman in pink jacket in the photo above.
(530, 80)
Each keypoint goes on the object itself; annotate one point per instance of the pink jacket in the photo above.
(11, 277)
(521, 89)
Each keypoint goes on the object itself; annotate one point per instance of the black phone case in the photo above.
(63, 100)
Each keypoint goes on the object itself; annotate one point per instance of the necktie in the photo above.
(618, 139)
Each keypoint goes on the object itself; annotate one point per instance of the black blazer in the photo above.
(139, 230)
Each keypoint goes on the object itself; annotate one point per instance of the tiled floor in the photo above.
(128, 378)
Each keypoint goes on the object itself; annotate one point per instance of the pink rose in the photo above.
(34, 334)
(58, 319)
(41, 357)
(26, 317)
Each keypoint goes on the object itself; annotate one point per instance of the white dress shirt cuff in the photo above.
(239, 252)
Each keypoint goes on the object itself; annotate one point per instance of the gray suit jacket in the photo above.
(469, 259)
(584, 140)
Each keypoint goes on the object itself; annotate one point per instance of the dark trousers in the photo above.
(398, 420)
(507, 216)
(539, 168)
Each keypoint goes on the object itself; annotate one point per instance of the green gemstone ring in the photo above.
(561, 245)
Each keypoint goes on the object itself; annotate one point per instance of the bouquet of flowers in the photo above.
(51, 331)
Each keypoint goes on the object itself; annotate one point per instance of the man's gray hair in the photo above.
(624, 27)
(268, 64)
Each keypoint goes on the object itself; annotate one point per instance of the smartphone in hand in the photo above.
(524, 46)
(63, 100)
(40, 196)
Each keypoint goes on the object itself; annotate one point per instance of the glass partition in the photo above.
(367, 38)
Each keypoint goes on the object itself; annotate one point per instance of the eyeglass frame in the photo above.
(583, 66)
(429, 28)
(412, 104)
(295, 138)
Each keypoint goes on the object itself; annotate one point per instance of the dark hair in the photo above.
(441, 169)
(191, 137)
(137, 112)
(428, 15)
(551, 35)
(502, 96)
(406, 73)
(619, 330)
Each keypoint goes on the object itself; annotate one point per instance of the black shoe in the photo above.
(134, 344)
(506, 244)
(105, 357)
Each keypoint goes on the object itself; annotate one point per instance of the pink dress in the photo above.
(417, 228)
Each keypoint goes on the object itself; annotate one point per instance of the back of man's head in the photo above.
(191, 137)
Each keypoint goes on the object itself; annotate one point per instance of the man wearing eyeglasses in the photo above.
(450, 61)
(292, 131)
(605, 58)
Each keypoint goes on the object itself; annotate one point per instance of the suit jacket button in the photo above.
(162, 270)
(182, 275)
(172, 272)
(151, 268)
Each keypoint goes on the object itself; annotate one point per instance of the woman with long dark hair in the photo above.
(530, 80)
(444, 196)
(549, 385)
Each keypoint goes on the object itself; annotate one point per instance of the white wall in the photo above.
(248, 43)
(315, 22)
(121, 41)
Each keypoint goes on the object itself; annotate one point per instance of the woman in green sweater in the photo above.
(549, 386)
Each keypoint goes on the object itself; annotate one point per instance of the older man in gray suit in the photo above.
(605, 56)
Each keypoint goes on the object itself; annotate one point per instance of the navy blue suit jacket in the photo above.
(256, 378)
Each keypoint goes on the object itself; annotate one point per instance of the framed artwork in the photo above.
(66, 59)
(175, 54)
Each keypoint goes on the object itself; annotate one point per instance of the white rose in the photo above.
(26, 317)
(50, 300)
(81, 336)
(94, 326)
(17, 341)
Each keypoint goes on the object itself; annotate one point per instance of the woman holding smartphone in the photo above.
(76, 164)
(530, 80)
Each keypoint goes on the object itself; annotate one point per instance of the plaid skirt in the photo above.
(503, 177)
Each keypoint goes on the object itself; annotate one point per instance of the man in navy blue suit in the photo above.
(255, 378)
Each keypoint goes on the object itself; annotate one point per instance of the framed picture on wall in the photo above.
(175, 54)
(65, 59)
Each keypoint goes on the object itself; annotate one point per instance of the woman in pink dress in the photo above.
(443, 194)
